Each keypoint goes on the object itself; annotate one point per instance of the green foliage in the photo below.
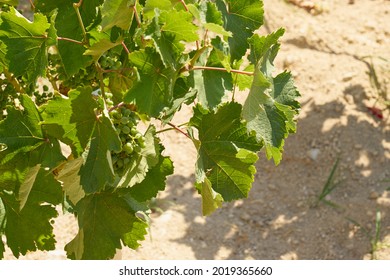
(84, 134)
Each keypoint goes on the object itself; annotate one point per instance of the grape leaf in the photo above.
(226, 153)
(3, 52)
(104, 221)
(244, 81)
(153, 92)
(211, 200)
(170, 49)
(27, 184)
(100, 43)
(271, 105)
(71, 120)
(68, 26)
(27, 145)
(177, 103)
(70, 179)
(212, 86)
(151, 5)
(180, 24)
(242, 18)
(120, 82)
(217, 29)
(26, 41)
(44, 188)
(154, 181)
(30, 229)
(117, 13)
(141, 162)
(75, 123)
(97, 170)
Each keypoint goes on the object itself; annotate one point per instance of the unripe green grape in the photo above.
(133, 131)
(125, 120)
(116, 115)
(125, 129)
(126, 161)
(127, 112)
(142, 144)
(119, 163)
(138, 136)
(45, 88)
(128, 148)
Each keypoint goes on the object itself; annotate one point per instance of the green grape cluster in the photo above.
(110, 61)
(87, 77)
(43, 97)
(109, 97)
(7, 95)
(125, 122)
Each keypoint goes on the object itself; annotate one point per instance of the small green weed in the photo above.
(329, 186)
(375, 243)
(379, 75)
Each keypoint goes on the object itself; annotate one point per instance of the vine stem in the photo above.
(70, 40)
(101, 80)
(13, 81)
(116, 106)
(125, 47)
(32, 4)
(77, 6)
(136, 16)
(175, 127)
(221, 69)
(184, 4)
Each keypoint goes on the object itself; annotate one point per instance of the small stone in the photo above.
(358, 147)
(245, 217)
(373, 195)
(348, 76)
(314, 153)
(271, 187)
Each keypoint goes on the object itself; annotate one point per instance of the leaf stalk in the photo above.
(221, 69)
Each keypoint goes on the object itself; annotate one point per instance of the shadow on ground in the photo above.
(279, 220)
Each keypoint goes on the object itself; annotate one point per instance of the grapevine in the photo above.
(94, 77)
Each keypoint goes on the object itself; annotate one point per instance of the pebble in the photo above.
(245, 217)
(272, 187)
(348, 76)
(373, 195)
(314, 153)
(358, 147)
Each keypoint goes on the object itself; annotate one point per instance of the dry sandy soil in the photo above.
(281, 219)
